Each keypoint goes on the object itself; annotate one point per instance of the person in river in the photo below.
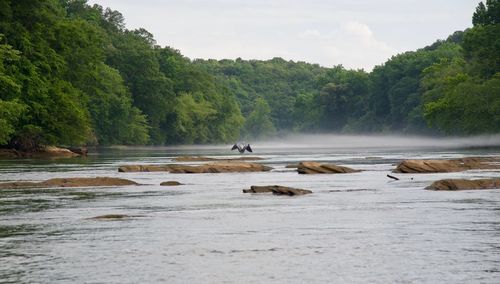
(242, 147)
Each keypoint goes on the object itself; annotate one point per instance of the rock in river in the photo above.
(44, 152)
(170, 183)
(206, 159)
(464, 184)
(277, 190)
(446, 166)
(317, 168)
(219, 167)
(70, 182)
(111, 217)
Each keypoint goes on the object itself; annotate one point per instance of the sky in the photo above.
(358, 34)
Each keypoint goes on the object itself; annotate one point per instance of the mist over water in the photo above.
(379, 141)
(339, 141)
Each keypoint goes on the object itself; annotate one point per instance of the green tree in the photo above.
(467, 107)
(152, 92)
(482, 49)
(259, 124)
(488, 14)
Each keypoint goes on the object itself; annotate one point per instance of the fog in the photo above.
(337, 141)
(379, 141)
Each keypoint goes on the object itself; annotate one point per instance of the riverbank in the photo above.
(44, 152)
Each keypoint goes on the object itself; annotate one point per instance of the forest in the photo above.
(73, 74)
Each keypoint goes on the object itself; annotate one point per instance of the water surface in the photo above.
(355, 228)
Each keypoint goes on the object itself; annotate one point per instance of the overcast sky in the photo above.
(354, 33)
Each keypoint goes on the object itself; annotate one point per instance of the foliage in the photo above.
(488, 14)
(462, 96)
(467, 106)
(258, 123)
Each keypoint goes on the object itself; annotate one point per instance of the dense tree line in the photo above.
(71, 73)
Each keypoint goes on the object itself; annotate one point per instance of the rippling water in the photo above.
(354, 228)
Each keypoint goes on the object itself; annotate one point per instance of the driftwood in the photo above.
(393, 177)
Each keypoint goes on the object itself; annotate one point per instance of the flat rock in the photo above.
(218, 167)
(170, 183)
(70, 182)
(464, 184)
(446, 166)
(277, 190)
(207, 159)
(317, 168)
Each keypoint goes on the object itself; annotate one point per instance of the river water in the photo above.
(354, 228)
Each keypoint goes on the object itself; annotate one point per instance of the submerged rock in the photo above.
(170, 183)
(207, 159)
(446, 166)
(144, 168)
(70, 182)
(317, 168)
(464, 184)
(277, 190)
(219, 167)
(112, 217)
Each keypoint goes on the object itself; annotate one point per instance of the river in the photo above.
(355, 228)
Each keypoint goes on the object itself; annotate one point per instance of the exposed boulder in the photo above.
(219, 167)
(207, 159)
(464, 184)
(446, 166)
(170, 183)
(70, 182)
(53, 151)
(277, 190)
(82, 151)
(317, 168)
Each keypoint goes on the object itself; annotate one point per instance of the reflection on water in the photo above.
(354, 228)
